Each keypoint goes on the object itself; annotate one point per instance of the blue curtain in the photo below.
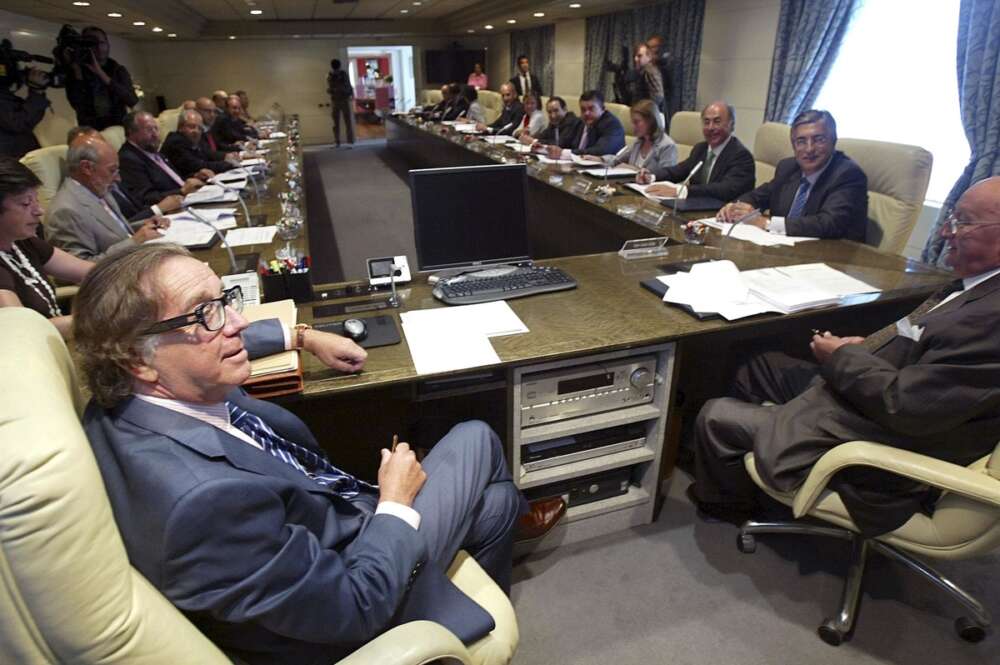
(679, 22)
(539, 44)
(809, 36)
(979, 100)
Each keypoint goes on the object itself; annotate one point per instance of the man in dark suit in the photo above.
(231, 128)
(926, 384)
(145, 173)
(209, 115)
(599, 133)
(820, 193)
(523, 80)
(510, 117)
(229, 506)
(561, 128)
(186, 152)
(727, 167)
(459, 104)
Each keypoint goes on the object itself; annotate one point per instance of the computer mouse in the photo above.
(355, 329)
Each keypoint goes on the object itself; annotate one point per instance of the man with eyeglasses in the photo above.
(229, 506)
(819, 193)
(926, 383)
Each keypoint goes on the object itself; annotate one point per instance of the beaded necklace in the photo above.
(21, 265)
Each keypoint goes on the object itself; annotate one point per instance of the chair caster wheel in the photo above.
(969, 630)
(746, 543)
(830, 634)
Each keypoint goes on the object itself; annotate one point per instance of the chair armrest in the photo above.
(937, 473)
(411, 643)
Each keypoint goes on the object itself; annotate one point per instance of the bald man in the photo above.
(219, 97)
(188, 153)
(84, 219)
(927, 383)
(188, 105)
(209, 116)
(510, 116)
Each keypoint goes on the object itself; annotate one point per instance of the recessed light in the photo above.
(404, 11)
(488, 26)
(470, 31)
(232, 36)
(512, 21)
(140, 23)
(114, 15)
(171, 34)
(157, 29)
(538, 14)
(417, 4)
(79, 3)
(574, 5)
(256, 12)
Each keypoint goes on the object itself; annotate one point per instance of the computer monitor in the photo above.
(470, 216)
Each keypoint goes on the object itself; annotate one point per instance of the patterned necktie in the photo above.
(583, 138)
(706, 172)
(880, 337)
(166, 168)
(300, 458)
(801, 196)
(108, 208)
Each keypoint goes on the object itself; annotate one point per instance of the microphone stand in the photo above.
(684, 183)
(199, 218)
(393, 299)
(239, 197)
(750, 216)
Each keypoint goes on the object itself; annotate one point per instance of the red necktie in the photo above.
(211, 141)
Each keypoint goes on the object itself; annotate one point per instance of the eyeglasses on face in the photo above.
(954, 225)
(210, 314)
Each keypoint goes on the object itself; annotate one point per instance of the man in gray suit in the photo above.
(84, 219)
(927, 383)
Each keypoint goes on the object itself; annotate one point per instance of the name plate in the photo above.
(649, 217)
(580, 187)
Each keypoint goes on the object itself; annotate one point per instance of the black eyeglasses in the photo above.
(211, 314)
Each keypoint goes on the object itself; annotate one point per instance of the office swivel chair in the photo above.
(965, 523)
(67, 591)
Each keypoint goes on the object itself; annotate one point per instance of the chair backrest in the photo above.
(492, 104)
(771, 144)
(115, 135)
(430, 96)
(67, 591)
(167, 122)
(898, 175)
(685, 130)
(49, 164)
(624, 115)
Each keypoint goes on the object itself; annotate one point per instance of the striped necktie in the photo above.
(706, 172)
(108, 208)
(162, 163)
(583, 138)
(304, 460)
(881, 337)
(801, 196)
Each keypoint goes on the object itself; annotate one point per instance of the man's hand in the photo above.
(525, 138)
(645, 177)
(191, 185)
(95, 67)
(171, 203)
(733, 211)
(150, 229)
(591, 158)
(662, 189)
(400, 475)
(480, 127)
(554, 151)
(334, 351)
(204, 174)
(824, 345)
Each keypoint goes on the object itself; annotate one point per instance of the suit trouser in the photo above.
(726, 427)
(343, 108)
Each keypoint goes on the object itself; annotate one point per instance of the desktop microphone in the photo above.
(752, 215)
(684, 183)
(239, 197)
(199, 218)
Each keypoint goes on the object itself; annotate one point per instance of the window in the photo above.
(894, 80)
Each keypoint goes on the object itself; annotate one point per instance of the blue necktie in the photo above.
(801, 196)
(300, 458)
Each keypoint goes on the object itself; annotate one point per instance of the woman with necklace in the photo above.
(25, 259)
(652, 149)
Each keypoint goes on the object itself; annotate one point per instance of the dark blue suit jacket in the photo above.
(271, 566)
(606, 137)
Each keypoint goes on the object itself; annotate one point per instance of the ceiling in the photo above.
(218, 19)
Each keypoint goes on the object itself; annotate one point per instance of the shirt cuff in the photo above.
(405, 513)
(156, 210)
(287, 335)
(776, 225)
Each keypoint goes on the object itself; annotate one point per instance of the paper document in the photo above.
(266, 142)
(584, 160)
(253, 161)
(186, 232)
(643, 189)
(251, 235)
(220, 218)
(249, 283)
(613, 172)
(829, 279)
(286, 361)
(754, 234)
(210, 194)
(231, 183)
(544, 159)
(277, 135)
(499, 139)
(520, 147)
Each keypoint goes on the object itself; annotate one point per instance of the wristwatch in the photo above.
(300, 335)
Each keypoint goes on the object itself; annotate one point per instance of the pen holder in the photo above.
(287, 285)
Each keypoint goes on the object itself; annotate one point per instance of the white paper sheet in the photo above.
(255, 161)
(251, 235)
(544, 159)
(584, 160)
(277, 135)
(754, 234)
(249, 283)
(210, 194)
(643, 189)
(503, 138)
(220, 218)
(186, 232)
(613, 172)
(433, 353)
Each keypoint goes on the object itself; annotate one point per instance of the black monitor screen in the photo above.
(469, 215)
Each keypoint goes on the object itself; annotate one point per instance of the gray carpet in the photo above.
(678, 592)
(359, 207)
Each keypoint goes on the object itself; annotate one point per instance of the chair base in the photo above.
(838, 629)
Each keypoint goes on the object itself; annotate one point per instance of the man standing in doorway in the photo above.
(338, 85)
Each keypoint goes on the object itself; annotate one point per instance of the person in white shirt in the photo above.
(534, 121)
(652, 149)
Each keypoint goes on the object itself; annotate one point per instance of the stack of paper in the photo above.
(520, 147)
(251, 235)
(544, 159)
(644, 190)
(186, 232)
(613, 172)
(584, 160)
(754, 234)
(495, 140)
(220, 218)
(210, 194)
(277, 135)
(447, 339)
(719, 287)
(466, 127)
(254, 161)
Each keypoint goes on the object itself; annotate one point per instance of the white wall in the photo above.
(737, 48)
(39, 37)
(571, 40)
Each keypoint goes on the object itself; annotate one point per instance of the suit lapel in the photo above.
(100, 214)
(981, 290)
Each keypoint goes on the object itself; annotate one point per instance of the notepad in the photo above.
(186, 232)
(251, 235)
(644, 190)
(210, 194)
(613, 172)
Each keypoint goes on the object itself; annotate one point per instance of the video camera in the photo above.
(13, 75)
(73, 48)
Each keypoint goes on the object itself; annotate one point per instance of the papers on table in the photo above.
(249, 283)
(210, 194)
(466, 127)
(585, 160)
(286, 361)
(754, 234)
(186, 232)
(446, 339)
(495, 140)
(643, 189)
(220, 218)
(520, 147)
(544, 159)
(253, 161)
(227, 181)
(251, 235)
(613, 172)
(266, 142)
(719, 287)
(277, 135)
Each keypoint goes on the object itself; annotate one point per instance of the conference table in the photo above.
(608, 313)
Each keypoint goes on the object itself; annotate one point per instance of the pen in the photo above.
(395, 442)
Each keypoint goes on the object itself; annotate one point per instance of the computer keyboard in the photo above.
(523, 281)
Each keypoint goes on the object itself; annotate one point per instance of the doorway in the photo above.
(383, 80)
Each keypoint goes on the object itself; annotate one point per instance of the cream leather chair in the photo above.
(965, 523)
(67, 591)
(685, 130)
(898, 175)
(115, 135)
(49, 164)
(167, 122)
(624, 115)
(492, 104)
(430, 96)
(771, 144)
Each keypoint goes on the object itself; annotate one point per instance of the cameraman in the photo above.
(18, 116)
(98, 88)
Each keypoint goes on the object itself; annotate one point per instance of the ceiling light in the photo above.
(256, 12)
(232, 36)
(138, 23)
(81, 4)
(470, 31)
(538, 14)
(404, 11)
(417, 4)
(114, 15)
(157, 29)
(512, 21)
(171, 34)
(574, 5)
(488, 26)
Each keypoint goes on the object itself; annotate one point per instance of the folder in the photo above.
(279, 373)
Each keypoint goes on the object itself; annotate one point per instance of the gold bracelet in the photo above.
(300, 335)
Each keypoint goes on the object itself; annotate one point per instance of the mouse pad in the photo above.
(382, 331)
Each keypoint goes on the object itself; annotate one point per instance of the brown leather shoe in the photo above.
(540, 518)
